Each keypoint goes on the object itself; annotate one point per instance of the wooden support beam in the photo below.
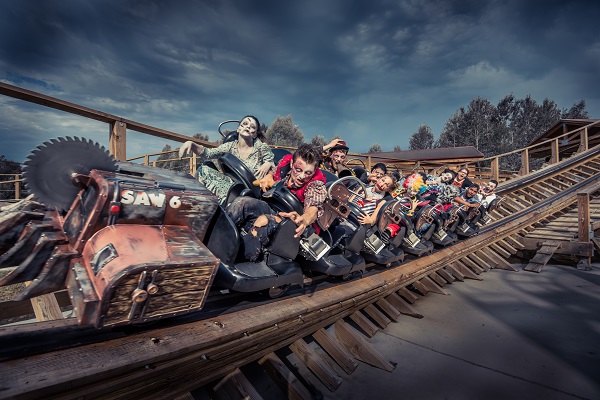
(499, 250)
(285, 379)
(583, 211)
(554, 151)
(359, 347)
(479, 262)
(316, 365)
(234, 386)
(524, 162)
(403, 306)
(118, 140)
(420, 288)
(408, 295)
(364, 323)
(466, 271)
(447, 276)
(455, 272)
(501, 263)
(473, 265)
(392, 312)
(336, 351)
(432, 286)
(377, 316)
(441, 282)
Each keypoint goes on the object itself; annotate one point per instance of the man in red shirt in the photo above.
(301, 175)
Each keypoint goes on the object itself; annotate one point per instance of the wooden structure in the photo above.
(323, 326)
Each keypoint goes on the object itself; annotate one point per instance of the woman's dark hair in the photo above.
(465, 168)
(381, 166)
(396, 175)
(309, 153)
(259, 133)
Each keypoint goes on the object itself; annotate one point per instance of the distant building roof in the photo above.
(438, 154)
(568, 145)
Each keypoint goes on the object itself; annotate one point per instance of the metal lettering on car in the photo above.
(146, 198)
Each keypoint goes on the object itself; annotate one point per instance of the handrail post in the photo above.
(524, 162)
(583, 222)
(554, 149)
(147, 159)
(368, 163)
(583, 140)
(118, 140)
(495, 168)
(17, 186)
(583, 226)
(193, 164)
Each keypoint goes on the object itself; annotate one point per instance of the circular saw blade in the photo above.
(49, 168)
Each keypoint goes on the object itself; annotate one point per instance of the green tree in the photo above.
(283, 132)
(397, 148)
(577, 111)
(318, 140)
(421, 139)
(7, 191)
(375, 148)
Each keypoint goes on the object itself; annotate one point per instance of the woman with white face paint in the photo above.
(249, 147)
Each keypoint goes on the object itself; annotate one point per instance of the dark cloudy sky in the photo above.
(371, 71)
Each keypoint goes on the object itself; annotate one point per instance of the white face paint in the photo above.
(247, 128)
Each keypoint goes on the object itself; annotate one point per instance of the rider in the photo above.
(335, 161)
(249, 147)
(300, 174)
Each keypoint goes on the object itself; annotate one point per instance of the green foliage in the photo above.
(283, 132)
(7, 191)
(318, 140)
(171, 160)
(375, 148)
(512, 124)
(397, 148)
(422, 138)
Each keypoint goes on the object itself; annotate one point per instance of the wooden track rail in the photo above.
(170, 361)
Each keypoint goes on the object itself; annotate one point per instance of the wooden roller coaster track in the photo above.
(167, 360)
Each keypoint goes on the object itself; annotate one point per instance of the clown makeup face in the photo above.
(446, 177)
(383, 184)
(301, 172)
(247, 128)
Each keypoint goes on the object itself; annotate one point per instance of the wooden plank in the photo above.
(441, 282)
(473, 265)
(403, 306)
(234, 386)
(507, 246)
(377, 316)
(466, 271)
(574, 248)
(316, 365)
(12, 309)
(420, 288)
(284, 378)
(336, 351)
(432, 286)
(359, 347)
(392, 312)
(447, 276)
(364, 323)
(480, 262)
(501, 262)
(542, 256)
(408, 295)
(459, 276)
(500, 250)
(583, 210)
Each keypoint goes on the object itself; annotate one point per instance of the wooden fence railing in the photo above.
(118, 144)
